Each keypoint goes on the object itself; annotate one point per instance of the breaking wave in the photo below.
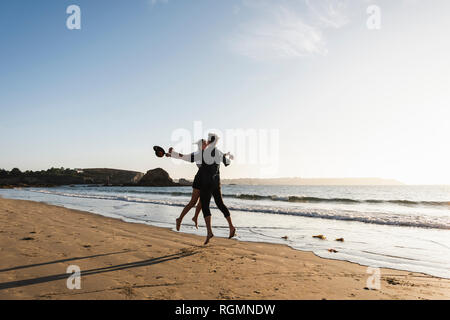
(343, 215)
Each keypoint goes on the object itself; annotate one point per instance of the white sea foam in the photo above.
(345, 215)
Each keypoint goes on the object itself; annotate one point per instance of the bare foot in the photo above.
(178, 224)
(208, 237)
(232, 233)
(195, 221)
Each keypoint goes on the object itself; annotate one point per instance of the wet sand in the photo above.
(120, 260)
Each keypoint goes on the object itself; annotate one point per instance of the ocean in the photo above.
(399, 227)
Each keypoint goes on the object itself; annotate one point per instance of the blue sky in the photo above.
(347, 101)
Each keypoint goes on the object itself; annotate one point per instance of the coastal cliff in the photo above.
(104, 176)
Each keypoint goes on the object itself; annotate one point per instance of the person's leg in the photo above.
(205, 199)
(217, 194)
(197, 212)
(189, 206)
(209, 228)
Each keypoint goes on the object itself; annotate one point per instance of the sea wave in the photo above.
(343, 215)
(297, 199)
(301, 199)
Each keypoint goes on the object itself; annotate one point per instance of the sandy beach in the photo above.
(120, 260)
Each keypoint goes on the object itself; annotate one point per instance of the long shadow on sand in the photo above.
(63, 260)
(137, 264)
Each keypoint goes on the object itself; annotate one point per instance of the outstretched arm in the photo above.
(185, 157)
(226, 158)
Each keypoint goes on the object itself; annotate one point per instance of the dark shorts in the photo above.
(197, 181)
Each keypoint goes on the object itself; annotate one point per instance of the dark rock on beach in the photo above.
(157, 178)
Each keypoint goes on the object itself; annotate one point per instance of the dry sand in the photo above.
(120, 260)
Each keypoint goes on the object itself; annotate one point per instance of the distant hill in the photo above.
(315, 182)
(110, 176)
(95, 176)
(43, 178)
(156, 177)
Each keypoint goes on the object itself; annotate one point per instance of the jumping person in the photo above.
(195, 185)
(208, 176)
(210, 185)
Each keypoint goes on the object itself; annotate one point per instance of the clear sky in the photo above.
(347, 101)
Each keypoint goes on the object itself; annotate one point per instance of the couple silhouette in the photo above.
(206, 183)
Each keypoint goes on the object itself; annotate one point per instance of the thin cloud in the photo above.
(281, 31)
(329, 13)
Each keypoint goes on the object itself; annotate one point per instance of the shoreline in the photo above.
(136, 261)
(135, 221)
